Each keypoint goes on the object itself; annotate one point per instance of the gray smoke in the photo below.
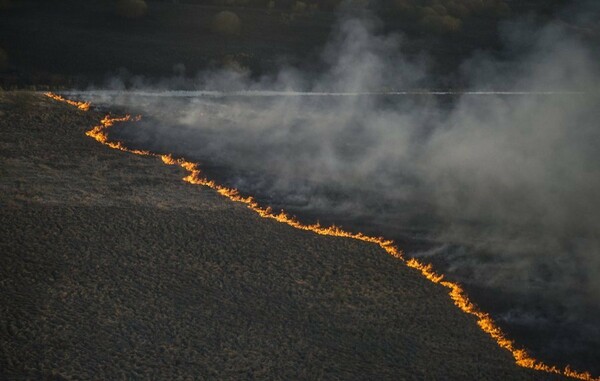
(511, 177)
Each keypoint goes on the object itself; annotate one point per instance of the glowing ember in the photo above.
(456, 292)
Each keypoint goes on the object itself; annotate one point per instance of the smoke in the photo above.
(525, 167)
(500, 189)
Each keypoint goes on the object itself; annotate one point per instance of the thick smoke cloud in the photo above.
(500, 189)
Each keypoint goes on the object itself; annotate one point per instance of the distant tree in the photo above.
(457, 9)
(284, 4)
(329, 5)
(131, 9)
(232, 63)
(406, 10)
(440, 24)
(428, 12)
(226, 23)
(451, 24)
(299, 7)
(439, 9)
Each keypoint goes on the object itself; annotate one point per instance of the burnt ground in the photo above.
(113, 268)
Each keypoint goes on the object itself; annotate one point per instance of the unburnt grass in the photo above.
(113, 268)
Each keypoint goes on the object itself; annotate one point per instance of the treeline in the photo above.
(443, 16)
(435, 16)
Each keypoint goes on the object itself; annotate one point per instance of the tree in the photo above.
(226, 23)
(440, 24)
(131, 9)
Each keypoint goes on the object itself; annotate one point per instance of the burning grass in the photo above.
(456, 292)
(84, 106)
(112, 268)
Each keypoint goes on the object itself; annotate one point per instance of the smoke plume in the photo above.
(497, 184)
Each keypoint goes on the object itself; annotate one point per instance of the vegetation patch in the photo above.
(131, 9)
(226, 23)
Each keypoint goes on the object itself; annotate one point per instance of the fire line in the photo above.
(455, 290)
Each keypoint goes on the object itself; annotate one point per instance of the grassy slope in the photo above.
(113, 268)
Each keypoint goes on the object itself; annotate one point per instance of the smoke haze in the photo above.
(500, 191)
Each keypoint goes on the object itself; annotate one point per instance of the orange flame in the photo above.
(456, 291)
(80, 105)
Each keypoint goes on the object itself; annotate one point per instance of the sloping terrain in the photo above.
(113, 268)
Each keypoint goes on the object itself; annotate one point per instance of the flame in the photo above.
(455, 290)
(84, 106)
(99, 133)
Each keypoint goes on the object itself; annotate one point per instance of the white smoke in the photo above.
(513, 173)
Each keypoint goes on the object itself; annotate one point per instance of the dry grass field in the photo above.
(112, 268)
